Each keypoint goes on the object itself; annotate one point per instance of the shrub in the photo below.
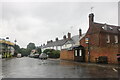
(52, 53)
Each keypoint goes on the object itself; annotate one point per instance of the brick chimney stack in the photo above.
(69, 35)
(80, 33)
(51, 40)
(91, 19)
(56, 39)
(43, 44)
(64, 37)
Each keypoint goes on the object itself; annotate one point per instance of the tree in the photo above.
(38, 50)
(30, 47)
(24, 52)
(17, 49)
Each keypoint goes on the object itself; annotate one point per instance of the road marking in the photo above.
(114, 69)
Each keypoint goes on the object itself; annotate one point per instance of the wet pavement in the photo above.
(26, 67)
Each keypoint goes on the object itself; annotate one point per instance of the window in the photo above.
(103, 27)
(80, 52)
(119, 29)
(75, 52)
(116, 39)
(108, 38)
(111, 28)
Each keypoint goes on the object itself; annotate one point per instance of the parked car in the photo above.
(43, 56)
(36, 55)
(19, 55)
(0, 56)
(31, 55)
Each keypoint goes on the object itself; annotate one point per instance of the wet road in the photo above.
(0, 68)
(34, 68)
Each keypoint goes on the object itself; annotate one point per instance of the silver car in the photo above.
(43, 56)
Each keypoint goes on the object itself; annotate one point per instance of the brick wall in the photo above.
(110, 52)
(67, 55)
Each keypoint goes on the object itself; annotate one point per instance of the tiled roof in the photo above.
(75, 38)
(6, 42)
(108, 28)
(61, 42)
(56, 43)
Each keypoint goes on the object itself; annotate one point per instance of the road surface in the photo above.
(26, 67)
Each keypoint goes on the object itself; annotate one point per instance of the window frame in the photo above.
(108, 39)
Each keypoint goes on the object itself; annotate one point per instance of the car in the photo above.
(31, 55)
(36, 55)
(19, 55)
(43, 56)
(0, 56)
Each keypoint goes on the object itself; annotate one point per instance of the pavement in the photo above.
(91, 64)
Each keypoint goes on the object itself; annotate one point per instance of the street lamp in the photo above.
(7, 45)
(15, 52)
(87, 41)
(15, 41)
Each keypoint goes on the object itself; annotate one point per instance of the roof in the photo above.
(82, 36)
(73, 40)
(6, 42)
(108, 28)
(56, 43)
(70, 41)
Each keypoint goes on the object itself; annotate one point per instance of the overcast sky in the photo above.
(38, 22)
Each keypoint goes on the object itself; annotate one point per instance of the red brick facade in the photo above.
(102, 42)
(98, 41)
(67, 55)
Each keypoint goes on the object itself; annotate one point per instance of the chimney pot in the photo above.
(91, 18)
(56, 39)
(43, 44)
(80, 32)
(64, 37)
(69, 35)
(51, 40)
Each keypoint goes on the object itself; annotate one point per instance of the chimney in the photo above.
(91, 19)
(43, 44)
(80, 33)
(56, 39)
(64, 37)
(48, 42)
(51, 40)
(69, 35)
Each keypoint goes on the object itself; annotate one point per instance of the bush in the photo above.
(52, 53)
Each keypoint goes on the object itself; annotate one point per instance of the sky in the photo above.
(40, 21)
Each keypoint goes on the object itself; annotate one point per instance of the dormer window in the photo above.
(103, 27)
(111, 28)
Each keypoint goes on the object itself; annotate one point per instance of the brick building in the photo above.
(102, 40)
